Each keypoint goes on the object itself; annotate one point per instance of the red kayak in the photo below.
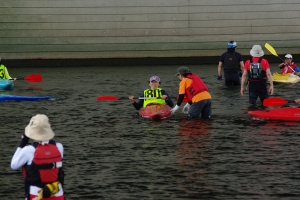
(282, 114)
(155, 112)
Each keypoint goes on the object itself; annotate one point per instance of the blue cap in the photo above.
(231, 44)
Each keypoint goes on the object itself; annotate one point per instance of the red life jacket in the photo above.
(46, 166)
(196, 87)
(288, 69)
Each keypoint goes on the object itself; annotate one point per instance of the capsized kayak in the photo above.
(155, 112)
(23, 98)
(285, 78)
(6, 84)
(282, 114)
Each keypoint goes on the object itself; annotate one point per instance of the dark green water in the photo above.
(110, 153)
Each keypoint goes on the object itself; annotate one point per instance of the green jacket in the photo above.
(4, 73)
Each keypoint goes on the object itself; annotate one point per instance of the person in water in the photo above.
(154, 95)
(41, 161)
(193, 88)
(233, 64)
(288, 66)
(257, 71)
(4, 72)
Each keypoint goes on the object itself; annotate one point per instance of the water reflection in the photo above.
(111, 153)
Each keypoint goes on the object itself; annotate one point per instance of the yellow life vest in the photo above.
(3, 72)
(153, 93)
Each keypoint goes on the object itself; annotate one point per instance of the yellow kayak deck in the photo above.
(285, 78)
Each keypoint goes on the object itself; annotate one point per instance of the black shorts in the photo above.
(232, 78)
(257, 89)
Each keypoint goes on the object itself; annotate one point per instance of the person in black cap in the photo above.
(193, 88)
(233, 65)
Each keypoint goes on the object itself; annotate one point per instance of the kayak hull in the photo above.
(24, 98)
(156, 112)
(281, 114)
(6, 84)
(285, 78)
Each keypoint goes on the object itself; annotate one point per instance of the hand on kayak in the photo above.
(174, 109)
(186, 108)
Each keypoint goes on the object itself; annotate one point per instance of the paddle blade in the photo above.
(271, 49)
(276, 101)
(33, 78)
(107, 98)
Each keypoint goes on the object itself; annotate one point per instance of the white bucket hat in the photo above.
(288, 56)
(256, 51)
(39, 128)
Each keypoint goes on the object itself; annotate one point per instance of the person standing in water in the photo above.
(194, 89)
(233, 65)
(257, 71)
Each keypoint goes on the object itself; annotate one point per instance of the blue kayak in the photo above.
(24, 98)
(6, 84)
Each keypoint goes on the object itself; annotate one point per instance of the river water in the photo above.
(111, 153)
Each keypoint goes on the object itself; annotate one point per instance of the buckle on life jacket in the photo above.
(57, 165)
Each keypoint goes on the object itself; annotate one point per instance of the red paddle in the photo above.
(114, 98)
(276, 101)
(31, 78)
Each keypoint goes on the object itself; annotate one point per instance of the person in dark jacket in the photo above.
(233, 65)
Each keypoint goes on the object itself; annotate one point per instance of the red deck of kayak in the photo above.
(283, 114)
(156, 112)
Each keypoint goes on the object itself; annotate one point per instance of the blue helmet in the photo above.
(231, 44)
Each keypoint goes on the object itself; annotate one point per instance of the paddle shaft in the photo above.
(30, 78)
(114, 98)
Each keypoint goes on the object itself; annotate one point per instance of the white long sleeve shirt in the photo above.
(25, 155)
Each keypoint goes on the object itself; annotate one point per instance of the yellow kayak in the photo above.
(285, 78)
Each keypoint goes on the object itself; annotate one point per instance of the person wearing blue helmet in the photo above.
(233, 65)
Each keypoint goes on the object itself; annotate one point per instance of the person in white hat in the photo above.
(41, 161)
(154, 91)
(257, 71)
(288, 66)
(233, 65)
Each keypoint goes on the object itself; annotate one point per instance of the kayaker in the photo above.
(4, 72)
(41, 161)
(257, 70)
(160, 95)
(193, 88)
(288, 66)
(233, 65)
